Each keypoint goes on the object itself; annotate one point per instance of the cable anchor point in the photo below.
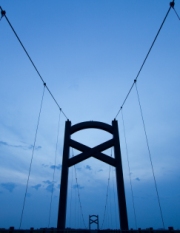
(172, 4)
(3, 13)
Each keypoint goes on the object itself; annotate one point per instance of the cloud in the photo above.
(79, 168)
(24, 147)
(36, 186)
(9, 186)
(36, 147)
(56, 167)
(88, 167)
(137, 179)
(50, 188)
(50, 185)
(78, 186)
(47, 182)
(45, 165)
(3, 143)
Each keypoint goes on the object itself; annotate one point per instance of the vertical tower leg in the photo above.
(61, 224)
(97, 222)
(120, 181)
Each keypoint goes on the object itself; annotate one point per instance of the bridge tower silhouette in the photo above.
(95, 152)
(93, 219)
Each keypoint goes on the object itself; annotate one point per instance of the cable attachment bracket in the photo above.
(172, 4)
(3, 13)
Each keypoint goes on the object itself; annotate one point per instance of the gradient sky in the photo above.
(89, 53)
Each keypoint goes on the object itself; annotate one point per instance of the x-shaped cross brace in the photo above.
(93, 221)
(91, 152)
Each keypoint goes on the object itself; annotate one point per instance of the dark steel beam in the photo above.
(82, 156)
(92, 125)
(64, 180)
(91, 152)
(123, 218)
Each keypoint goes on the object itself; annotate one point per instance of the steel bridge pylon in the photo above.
(93, 219)
(95, 152)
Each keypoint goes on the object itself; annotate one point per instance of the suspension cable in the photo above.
(176, 13)
(130, 180)
(171, 6)
(57, 140)
(77, 185)
(150, 157)
(3, 14)
(107, 191)
(27, 184)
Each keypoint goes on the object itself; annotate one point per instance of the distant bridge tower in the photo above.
(95, 152)
(93, 219)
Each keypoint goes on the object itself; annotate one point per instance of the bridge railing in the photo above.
(70, 230)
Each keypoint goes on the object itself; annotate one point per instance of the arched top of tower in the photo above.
(91, 125)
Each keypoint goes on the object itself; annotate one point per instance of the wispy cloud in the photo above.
(78, 168)
(88, 167)
(58, 167)
(24, 147)
(50, 188)
(9, 186)
(47, 182)
(50, 185)
(31, 147)
(137, 179)
(36, 186)
(45, 165)
(78, 186)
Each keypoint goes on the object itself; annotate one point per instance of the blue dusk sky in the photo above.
(89, 52)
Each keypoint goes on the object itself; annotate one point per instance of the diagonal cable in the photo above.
(176, 13)
(150, 157)
(3, 14)
(27, 184)
(49, 219)
(127, 154)
(172, 5)
(79, 196)
(107, 191)
(144, 61)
